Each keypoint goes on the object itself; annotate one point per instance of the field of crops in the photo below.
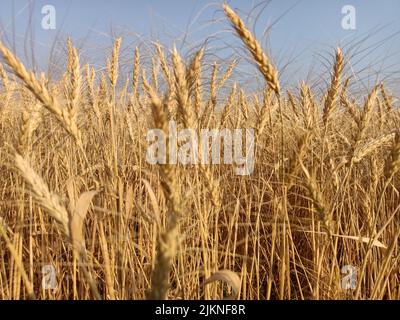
(84, 214)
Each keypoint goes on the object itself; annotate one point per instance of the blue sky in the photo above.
(302, 36)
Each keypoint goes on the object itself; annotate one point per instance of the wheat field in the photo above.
(78, 196)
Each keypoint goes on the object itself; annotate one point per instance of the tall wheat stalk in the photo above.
(167, 242)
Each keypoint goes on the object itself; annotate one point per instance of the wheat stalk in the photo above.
(393, 162)
(227, 74)
(364, 120)
(29, 123)
(73, 87)
(386, 99)
(168, 239)
(371, 146)
(317, 199)
(306, 106)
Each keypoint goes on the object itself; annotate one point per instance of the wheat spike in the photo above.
(386, 99)
(41, 93)
(317, 199)
(154, 73)
(113, 63)
(393, 162)
(182, 90)
(4, 78)
(334, 88)
(42, 194)
(264, 65)
(73, 86)
(364, 120)
(306, 106)
(371, 146)
(29, 123)
(227, 74)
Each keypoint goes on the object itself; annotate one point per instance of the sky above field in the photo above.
(300, 35)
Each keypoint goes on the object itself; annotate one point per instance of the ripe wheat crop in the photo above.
(78, 194)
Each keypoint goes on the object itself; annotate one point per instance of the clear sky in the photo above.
(301, 36)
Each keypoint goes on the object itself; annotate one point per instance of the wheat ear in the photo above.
(135, 74)
(73, 87)
(29, 123)
(41, 93)
(332, 96)
(393, 162)
(41, 193)
(182, 90)
(113, 63)
(264, 65)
